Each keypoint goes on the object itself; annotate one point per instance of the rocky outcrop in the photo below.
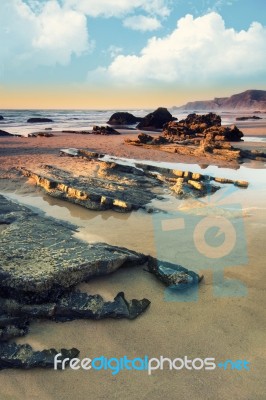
(123, 118)
(37, 280)
(198, 126)
(1, 117)
(248, 100)
(104, 130)
(156, 119)
(107, 185)
(37, 120)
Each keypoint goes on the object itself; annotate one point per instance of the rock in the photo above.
(247, 118)
(173, 275)
(1, 117)
(201, 122)
(123, 118)
(43, 269)
(4, 133)
(178, 172)
(159, 140)
(143, 138)
(45, 134)
(38, 120)
(197, 185)
(223, 180)
(22, 356)
(104, 130)
(230, 134)
(243, 184)
(156, 119)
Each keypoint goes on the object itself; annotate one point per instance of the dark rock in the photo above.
(45, 134)
(104, 130)
(1, 117)
(39, 120)
(4, 133)
(42, 270)
(173, 274)
(222, 133)
(200, 126)
(156, 119)
(22, 356)
(143, 138)
(204, 121)
(247, 118)
(123, 118)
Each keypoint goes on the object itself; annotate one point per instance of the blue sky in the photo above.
(197, 47)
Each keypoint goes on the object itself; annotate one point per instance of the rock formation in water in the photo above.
(1, 117)
(37, 120)
(123, 118)
(156, 119)
(110, 185)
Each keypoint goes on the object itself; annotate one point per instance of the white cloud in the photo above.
(44, 37)
(114, 51)
(119, 8)
(199, 50)
(142, 23)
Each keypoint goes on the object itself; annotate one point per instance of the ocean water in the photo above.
(15, 121)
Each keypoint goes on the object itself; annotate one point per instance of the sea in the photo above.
(15, 121)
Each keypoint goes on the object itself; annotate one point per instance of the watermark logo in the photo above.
(207, 237)
(116, 365)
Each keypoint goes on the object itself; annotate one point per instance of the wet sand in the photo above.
(224, 328)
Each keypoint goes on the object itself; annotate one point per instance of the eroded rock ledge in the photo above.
(123, 188)
(38, 279)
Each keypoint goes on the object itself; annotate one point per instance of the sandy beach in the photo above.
(221, 327)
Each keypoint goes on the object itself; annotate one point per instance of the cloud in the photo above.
(119, 8)
(142, 23)
(114, 51)
(40, 36)
(198, 50)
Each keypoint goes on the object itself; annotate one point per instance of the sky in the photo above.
(129, 53)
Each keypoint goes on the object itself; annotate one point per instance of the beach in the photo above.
(223, 327)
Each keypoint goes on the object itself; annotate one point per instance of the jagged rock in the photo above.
(24, 357)
(201, 122)
(123, 118)
(156, 119)
(104, 130)
(202, 126)
(69, 306)
(1, 117)
(230, 134)
(38, 120)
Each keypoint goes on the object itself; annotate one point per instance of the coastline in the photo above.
(211, 326)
